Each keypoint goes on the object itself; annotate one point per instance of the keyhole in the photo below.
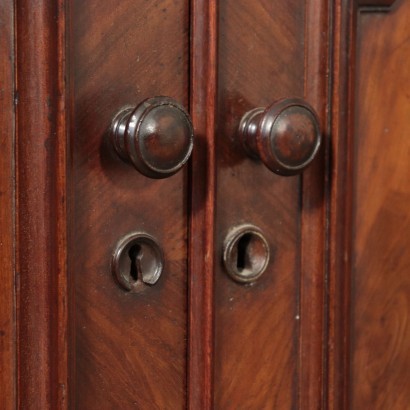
(137, 261)
(246, 253)
(135, 254)
(242, 261)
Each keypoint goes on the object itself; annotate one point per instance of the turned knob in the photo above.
(285, 136)
(156, 136)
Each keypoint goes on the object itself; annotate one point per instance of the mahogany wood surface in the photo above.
(130, 348)
(202, 207)
(41, 290)
(326, 326)
(340, 200)
(314, 208)
(7, 297)
(257, 326)
(352, 136)
(380, 328)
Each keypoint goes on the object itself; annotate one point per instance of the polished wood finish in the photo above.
(130, 349)
(325, 326)
(202, 209)
(349, 95)
(314, 214)
(380, 281)
(156, 136)
(8, 375)
(285, 136)
(41, 204)
(339, 208)
(258, 344)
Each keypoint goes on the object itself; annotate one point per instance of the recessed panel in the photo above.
(129, 348)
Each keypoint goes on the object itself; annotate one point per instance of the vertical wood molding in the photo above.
(340, 222)
(345, 15)
(40, 202)
(7, 305)
(201, 242)
(313, 215)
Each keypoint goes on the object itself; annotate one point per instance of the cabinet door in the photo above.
(196, 338)
(325, 324)
(369, 280)
(129, 349)
(267, 332)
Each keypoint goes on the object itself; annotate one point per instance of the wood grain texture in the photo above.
(340, 203)
(380, 335)
(314, 205)
(345, 170)
(202, 218)
(41, 204)
(261, 59)
(7, 306)
(130, 349)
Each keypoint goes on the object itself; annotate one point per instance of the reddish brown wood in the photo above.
(130, 349)
(7, 270)
(340, 204)
(345, 199)
(315, 180)
(268, 342)
(41, 204)
(202, 218)
(380, 281)
(257, 326)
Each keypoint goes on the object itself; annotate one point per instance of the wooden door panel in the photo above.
(257, 344)
(326, 326)
(129, 349)
(380, 331)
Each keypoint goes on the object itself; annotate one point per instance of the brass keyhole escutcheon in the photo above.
(246, 253)
(137, 261)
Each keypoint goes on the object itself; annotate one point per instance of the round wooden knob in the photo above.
(285, 136)
(156, 136)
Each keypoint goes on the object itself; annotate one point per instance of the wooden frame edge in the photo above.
(202, 222)
(8, 397)
(41, 214)
(343, 79)
(314, 214)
